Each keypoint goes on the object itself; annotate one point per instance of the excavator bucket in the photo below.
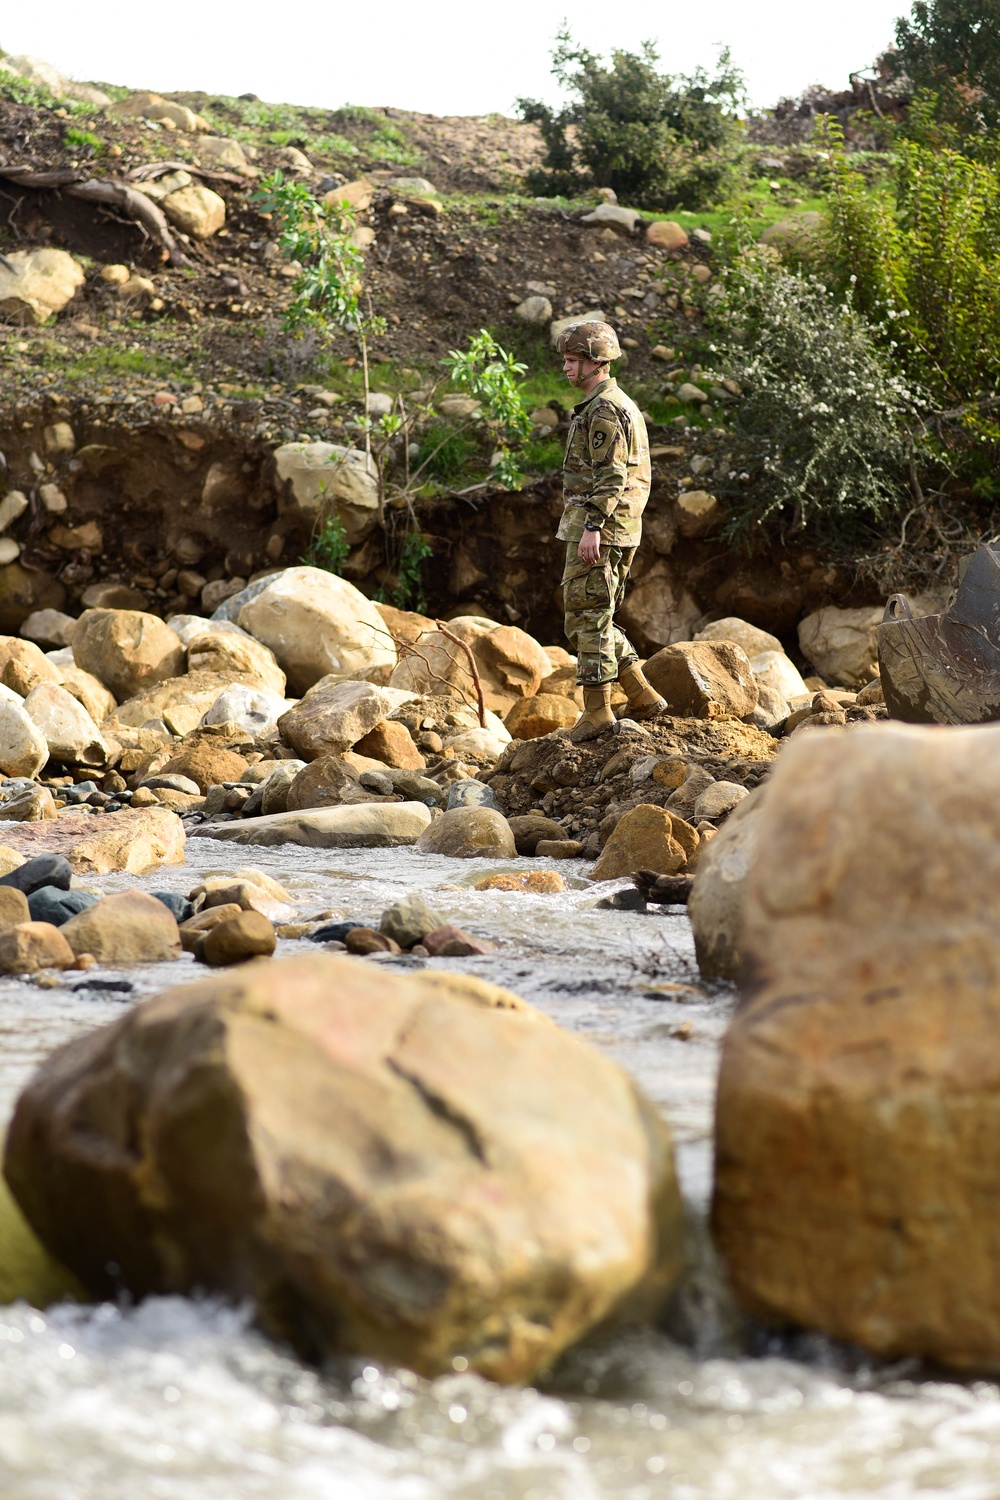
(945, 669)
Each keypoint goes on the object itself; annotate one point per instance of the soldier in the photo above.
(606, 479)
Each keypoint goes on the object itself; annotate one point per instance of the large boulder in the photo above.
(127, 650)
(715, 905)
(858, 1117)
(135, 840)
(411, 1168)
(330, 720)
(23, 748)
(206, 762)
(317, 625)
(196, 209)
(325, 477)
(127, 927)
(181, 702)
(658, 609)
(89, 691)
(752, 639)
(23, 665)
(704, 679)
(842, 644)
(235, 652)
(367, 826)
(647, 837)
(469, 833)
(35, 284)
(69, 732)
(511, 664)
(545, 713)
(248, 713)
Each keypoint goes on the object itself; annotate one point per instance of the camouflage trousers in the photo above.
(591, 594)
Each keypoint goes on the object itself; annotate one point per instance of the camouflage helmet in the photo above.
(596, 341)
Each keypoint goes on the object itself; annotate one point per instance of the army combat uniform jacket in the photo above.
(606, 471)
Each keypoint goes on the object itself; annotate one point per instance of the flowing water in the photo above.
(181, 1399)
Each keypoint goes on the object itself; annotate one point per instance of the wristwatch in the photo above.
(592, 526)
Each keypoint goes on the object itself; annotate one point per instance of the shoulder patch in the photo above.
(603, 431)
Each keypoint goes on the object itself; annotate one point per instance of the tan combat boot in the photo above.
(596, 716)
(644, 702)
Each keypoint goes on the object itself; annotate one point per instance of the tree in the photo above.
(952, 48)
(660, 141)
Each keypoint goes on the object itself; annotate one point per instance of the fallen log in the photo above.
(129, 201)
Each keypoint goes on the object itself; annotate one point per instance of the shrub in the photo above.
(951, 48)
(820, 436)
(659, 141)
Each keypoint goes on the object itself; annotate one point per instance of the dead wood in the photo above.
(129, 201)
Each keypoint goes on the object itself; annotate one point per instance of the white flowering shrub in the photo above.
(821, 432)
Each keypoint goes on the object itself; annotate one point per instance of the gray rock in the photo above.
(172, 783)
(471, 793)
(409, 920)
(367, 825)
(719, 799)
(50, 904)
(274, 791)
(229, 608)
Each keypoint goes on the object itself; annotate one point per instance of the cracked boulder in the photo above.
(413, 1168)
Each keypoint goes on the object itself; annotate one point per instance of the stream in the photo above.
(182, 1399)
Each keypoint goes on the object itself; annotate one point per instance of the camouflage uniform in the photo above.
(606, 479)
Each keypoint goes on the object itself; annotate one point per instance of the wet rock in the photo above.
(544, 713)
(558, 849)
(363, 941)
(50, 904)
(704, 679)
(205, 764)
(415, 1103)
(715, 906)
(126, 650)
(331, 720)
(255, 893)
(69, 732)
(719, 799)
(455, 942)
(333, 932)
(842, 644)
(129, 927)
(32, 946)
(239, 654)
(29, 804)
(14, 908)
(134, 840)
(178, 906)
(408, 920)
(532, 827)
(194, 929)
(471, 793)
(645, 838)
(535, 883)
(511, 663)
(392, 744)
(249, 935)
(316, 624)
(44, 870)
(23, 750)
(23, 665)
(469, 833)
(856, 1171)
(368, 826)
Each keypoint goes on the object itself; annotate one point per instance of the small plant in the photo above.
(333, 145)
(328, 547)
(73, 135)
(408, 590)
(491, 375)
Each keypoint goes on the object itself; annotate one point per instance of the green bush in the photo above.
(820, 437)
(951, 50)
(659, 141)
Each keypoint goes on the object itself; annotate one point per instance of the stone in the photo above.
(196, 209)
(127, 650)
(180, 703)
(715, 905)
(772, 708)
(13, 505)
(367, 826)
(331, 720)
(387, 1124)
(316, 624)
(193, 929)
(682, 801)
(23, 590)
(460, 407)
(534, 311)
(249, 891)
(247, 712)
(23, 665)
(14, 908)
(842, 644)
(558, 326)
(643, 839)
(405, 624)
(36, 284)
(658, 609)
(28, 804)
(471, 793)
(392, 744)
(455, 942)
(32, 946)
(529, 828)
(469, 833)
(275, 790)
(511, 663)
(544, 713)
(326, 782)
(772, 669)
(691, 393)
(49, 904)
(719, 799)
(357, 195)
(128, 927)
(666, 234)
(704, 680)
(610, 215)
(862, 1063)
(69, 731)
(227, 651)
(47, 627)
(872, 694)
(797, 237)
(113, 596)
(753, 640)
(364, 941)
(480, 745)
(698, 513)
(533, 883)
(327, 478)
(409, 920)
(89, 692)
(45, 870)
(223, 152)
(249, 935)
(59, 439)
(559, 848)
(133, 840)
(23, 749)
(205, 764)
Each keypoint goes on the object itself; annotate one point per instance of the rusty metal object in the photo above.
(945, 669)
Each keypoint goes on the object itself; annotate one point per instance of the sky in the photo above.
(438, 56)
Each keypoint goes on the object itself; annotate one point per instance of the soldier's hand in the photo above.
(589, 550)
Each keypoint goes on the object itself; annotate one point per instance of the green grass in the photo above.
(73, 135)
(332, 145)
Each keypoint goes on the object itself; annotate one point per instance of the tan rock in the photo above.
(128, 927)
(842, 644)
(658, 608)
(367, 826)
(715, 905)
(89, 691)
(32, 946)
(405, 624)
(327, 781)
(9, 859)
(385, 1124)
(23, 590)
(194, 929)
(69, 731)
(13, 908)
(534, 883)
(206, 764)
(197, 210)
(327, 477)
(331, 720)
(666, 234)
(23, 751)
(511, 663)
(532, 827)
(753, 640)
(23, 665)
(391, 743)
(239, 655)
(249, 935)
(643, 839)
(704, 680)
(530, 718)
(135, 841)
(317, 624)
(35, 284)
(30, 804)
(469, 833)
(356, 195)
(126, 650)
(181, 702)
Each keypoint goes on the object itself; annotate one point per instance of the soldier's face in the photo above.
(578, 370)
